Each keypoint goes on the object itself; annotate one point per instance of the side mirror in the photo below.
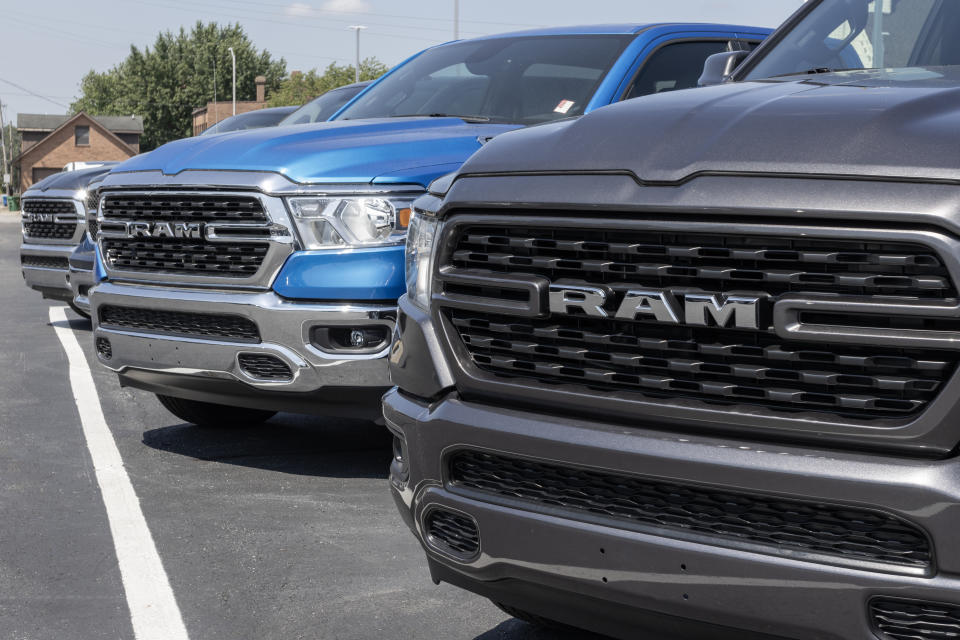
(718, 67)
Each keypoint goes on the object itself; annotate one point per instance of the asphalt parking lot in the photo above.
(281, 531)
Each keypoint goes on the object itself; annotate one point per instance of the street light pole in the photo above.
(358, 28)
(233, 57)
(456, 19)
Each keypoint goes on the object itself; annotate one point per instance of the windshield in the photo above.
(320, 109)
(521, 80)
(861, 34)
(252, 120)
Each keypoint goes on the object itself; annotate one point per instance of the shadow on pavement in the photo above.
(294, 444)
(514, 629)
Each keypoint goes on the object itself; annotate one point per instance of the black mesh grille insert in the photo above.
(45, 262)
(908, 620)
(49, 229)
(183, 208)
(717, 263)
(715, 365)
(264, 367)
(454, 532)
(186, 256)
(198, 325)
(192, 257)
(782, 525)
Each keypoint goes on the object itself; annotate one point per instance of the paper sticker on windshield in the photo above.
(564, 106)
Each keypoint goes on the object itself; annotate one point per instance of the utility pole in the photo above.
(358, 28)
(233, 57)
(3, 152)
(456, 19)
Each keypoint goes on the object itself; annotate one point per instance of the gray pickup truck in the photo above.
(53, 223)
(686, 367)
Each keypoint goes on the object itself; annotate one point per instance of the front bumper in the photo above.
(81, 277)
(619, 581)
(51, 281)
(187, 366)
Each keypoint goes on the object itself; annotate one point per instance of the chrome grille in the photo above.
(492, 289)
(222, 236)
(45, 219)
(183, 208)
(839, 534)
(185, 256)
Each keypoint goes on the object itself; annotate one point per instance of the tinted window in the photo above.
(320, 109)
(522, 80)
(862, 34)
(81, 136)
(251, 120)
(672, 67)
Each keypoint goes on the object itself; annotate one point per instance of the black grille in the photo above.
(45, 262)
(49, 229)
(264, 367)
(104, 348)
(187, 256)
(719, 365)
(197, 325)
(909, 620)
(183, 208)
(782, 525)
(713, 365)
(192, 257)
(717, 263)
(453, 532)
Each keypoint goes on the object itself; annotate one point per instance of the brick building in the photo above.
(214, 112)
(50, 142)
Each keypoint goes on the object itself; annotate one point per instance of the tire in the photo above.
(207, 414)
(534, 619)
(77, 310)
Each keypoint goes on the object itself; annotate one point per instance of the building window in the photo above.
(81, 136)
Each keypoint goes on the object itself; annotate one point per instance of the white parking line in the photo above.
(153, 608)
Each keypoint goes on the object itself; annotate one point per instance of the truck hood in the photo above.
(69, 180)
(343, 151)
(902, 124)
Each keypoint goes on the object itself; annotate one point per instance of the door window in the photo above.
(672, 67)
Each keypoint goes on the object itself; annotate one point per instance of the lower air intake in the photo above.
(452, 532)
(264, 367)
(831, 534)
(910, 620)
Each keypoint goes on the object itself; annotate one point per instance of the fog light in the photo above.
(356, 340)
(104, 350)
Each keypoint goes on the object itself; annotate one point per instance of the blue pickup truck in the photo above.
(259, 271)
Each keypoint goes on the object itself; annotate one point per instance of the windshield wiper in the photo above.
(443, 115)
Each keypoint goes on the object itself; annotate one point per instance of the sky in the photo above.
(48, 46)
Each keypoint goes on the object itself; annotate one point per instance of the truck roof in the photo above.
(619, 29)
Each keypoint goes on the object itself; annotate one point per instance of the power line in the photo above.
(34, 94)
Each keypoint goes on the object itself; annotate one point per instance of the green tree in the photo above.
(167, 82)
(298, 88)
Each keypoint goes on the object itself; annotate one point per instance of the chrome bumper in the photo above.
(285, 329)
(81, 279)
(51, 282)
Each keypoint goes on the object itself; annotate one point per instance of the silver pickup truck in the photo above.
(53, 224)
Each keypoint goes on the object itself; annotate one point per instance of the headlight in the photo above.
(327, 222)
(419, 257)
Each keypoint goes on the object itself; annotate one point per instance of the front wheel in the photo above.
(207, 414)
